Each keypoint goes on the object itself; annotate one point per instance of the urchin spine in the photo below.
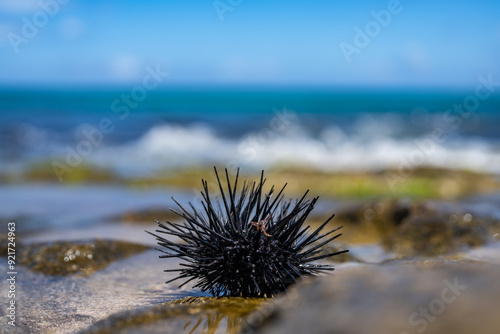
(251, 245)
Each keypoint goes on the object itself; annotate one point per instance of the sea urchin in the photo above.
(254, 245)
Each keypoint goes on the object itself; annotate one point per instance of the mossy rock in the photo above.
(67, 258)
(415, 228)
(373, 220)
(433, 228)
(44, 171)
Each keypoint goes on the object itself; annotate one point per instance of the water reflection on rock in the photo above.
(187, 315)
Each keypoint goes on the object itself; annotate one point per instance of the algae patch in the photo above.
(67, 258)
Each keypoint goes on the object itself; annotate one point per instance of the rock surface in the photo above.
(434, 228)
(402, 254)
(68, 304)
(421, 228)
(66, 258)
(402, 297)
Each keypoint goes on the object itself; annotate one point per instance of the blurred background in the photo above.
(388, 110)
(369, 98)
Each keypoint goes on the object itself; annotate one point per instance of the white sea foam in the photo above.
(175, 146)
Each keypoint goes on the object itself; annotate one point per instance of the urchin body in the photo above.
(249, 245)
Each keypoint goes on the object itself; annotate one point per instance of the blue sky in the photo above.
(426, 43)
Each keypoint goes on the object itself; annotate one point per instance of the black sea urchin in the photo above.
(252, 246)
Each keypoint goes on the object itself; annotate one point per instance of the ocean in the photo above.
(135, 133)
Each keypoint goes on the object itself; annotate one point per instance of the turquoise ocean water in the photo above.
(325, 128)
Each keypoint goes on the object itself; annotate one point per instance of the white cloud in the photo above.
(71, 27)
(125, 67)
(5, 29)
(416, 56)
(242, 68)
(18, 6)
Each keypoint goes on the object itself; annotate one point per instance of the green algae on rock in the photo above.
(44, 171)
(187, 315)
(433, 228)
(63, 258)
(373, 220)
(424, 183)
(417, 228)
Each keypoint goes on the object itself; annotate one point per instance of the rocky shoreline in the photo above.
(414, 265)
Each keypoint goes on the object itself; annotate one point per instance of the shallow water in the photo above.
(52, 207)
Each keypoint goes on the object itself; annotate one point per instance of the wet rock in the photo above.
(69, 304)
(428, 228)
(147, 216)
(67, 258)
(187, 315)
(435, 228)
(403, 297)
(373, 220)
